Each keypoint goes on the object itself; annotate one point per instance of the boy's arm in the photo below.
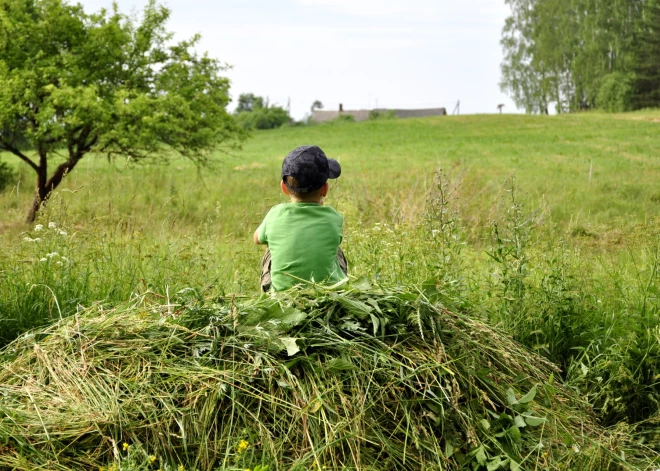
(255, 237)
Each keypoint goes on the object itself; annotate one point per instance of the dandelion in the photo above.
(39, 227)
(181, 468)
(126, 445)
(242, 446)
(52, 225)
(152, 458)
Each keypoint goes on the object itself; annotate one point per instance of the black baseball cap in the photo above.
(310, 167)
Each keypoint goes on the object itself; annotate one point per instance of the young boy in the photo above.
(303, 236)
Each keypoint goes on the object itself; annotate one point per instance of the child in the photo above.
(303, 236)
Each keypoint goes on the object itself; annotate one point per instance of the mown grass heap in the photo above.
(352, 379)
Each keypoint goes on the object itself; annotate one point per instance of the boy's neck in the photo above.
(318, 200)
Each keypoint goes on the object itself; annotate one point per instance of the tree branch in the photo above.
(21, 156)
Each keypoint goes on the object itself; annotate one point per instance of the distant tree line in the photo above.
(582, 54)
(255, 112)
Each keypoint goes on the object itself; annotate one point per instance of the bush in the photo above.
(343, 118)
(8, 176)
(263, 118)
(382, 114)
(615, 92)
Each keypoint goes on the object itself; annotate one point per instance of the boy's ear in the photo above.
(324, 189)
(285, 189)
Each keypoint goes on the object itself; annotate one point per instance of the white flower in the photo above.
(60, 263)
(43, 260)
(52, 225)
(64, 259)
(52, 254)
(576, 449)
(39, 227)
(29, 239)
(434, 232)
(63, 233)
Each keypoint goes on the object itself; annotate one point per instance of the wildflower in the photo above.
(152, 458)
(576, 449)
(30, 239)
(52, 225)
(39, 227)
(60, 264)
(63, 233)
(126, 445)
(181, 468)
(242, 446)
(43, 259)
(52, 254)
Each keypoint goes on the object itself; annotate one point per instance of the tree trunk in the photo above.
(46, 186)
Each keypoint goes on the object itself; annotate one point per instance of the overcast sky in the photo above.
(362, 53)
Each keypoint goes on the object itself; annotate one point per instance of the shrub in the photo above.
(270, 117)
(8, 176)
(615, 92)
(382, 114)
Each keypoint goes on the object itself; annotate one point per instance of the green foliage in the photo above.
(387, 114)
(558, 51)
(263, 118)
(254, 112)
(8, 176)
(343, 118)
(104, 83)
(616, 92)
(647, 67)
(378, 379)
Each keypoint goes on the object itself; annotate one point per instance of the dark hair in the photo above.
(292, 182)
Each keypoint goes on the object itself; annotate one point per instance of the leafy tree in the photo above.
(254, 112)
(248, 102)
(561, 51)
(73, 83)
(317, 105)
(646, 86)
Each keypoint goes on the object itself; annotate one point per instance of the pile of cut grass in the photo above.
(351, 379)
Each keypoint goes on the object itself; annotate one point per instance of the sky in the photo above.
(361, 53)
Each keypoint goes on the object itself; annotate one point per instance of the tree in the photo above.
(646, 85)
(317, 105)
(73, 83)
(255, 112)
(562, 51)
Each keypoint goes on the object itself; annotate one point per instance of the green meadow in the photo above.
(545, 228)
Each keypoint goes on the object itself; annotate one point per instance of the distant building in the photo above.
(321, 116)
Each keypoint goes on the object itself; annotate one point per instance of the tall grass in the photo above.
(566, 265)
(350, 379)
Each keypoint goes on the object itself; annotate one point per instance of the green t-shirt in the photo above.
(303, 239)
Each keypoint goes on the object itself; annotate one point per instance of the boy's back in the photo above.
(303, 236)
(303, 239)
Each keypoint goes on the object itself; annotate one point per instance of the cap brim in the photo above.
(334, 169)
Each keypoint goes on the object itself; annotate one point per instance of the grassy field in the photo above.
(545, 227)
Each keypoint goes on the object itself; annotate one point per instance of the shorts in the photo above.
(265, 268)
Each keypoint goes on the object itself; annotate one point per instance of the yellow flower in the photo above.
(181, 468)
(152, 458)
(126, 446)
(242, 446)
